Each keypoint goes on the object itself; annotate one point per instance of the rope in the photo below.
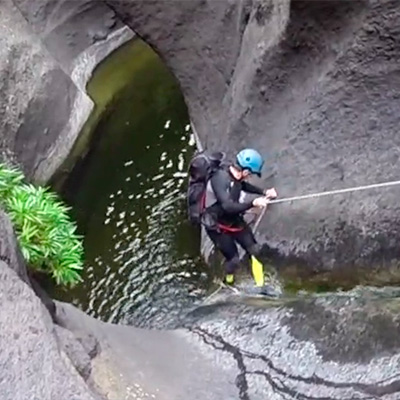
(323, 194)
(196, 137)
(221, 286)
(332, 192)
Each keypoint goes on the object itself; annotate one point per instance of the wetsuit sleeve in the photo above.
(249, 188)
(220, 186)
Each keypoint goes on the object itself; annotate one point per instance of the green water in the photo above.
(128, 196)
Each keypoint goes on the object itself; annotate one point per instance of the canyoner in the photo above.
(214, 202)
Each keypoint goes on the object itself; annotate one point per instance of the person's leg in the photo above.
(248, 242)
(225, 243)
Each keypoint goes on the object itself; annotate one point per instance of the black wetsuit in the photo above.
(224, 220)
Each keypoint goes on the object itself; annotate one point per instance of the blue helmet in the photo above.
(250, 159)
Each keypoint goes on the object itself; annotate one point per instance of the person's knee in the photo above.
(232, 265)
(255, 250)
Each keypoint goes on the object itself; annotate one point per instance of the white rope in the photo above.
(322, 194)
(221, 286)
(332, 192)
(196, 137)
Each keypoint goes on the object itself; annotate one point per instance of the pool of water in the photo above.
(128, 195)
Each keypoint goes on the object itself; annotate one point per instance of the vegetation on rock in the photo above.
(45, 232)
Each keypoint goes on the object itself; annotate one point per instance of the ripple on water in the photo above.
(143, 266)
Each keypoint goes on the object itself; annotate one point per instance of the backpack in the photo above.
(201, 168)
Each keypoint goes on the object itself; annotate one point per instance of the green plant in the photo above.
(46, 235)
(10, 177)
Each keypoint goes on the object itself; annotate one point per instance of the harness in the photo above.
(228, 228)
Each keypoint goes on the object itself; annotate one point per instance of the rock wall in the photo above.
(48, 52)
(314, 85)
(38, 359)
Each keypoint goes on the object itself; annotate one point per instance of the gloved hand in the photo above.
(260, 202)
(270, 193)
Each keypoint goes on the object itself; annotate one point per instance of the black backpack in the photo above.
(201, 168)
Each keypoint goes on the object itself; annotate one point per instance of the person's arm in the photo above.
(220, 186)
(249, 188)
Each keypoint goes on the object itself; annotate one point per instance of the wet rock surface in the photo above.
(309, 349)
(313, 85)
(328, 347)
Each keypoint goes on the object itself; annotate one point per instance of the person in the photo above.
(223, 216)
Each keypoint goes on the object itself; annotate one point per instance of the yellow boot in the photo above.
(258, 271)
(229, 279)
